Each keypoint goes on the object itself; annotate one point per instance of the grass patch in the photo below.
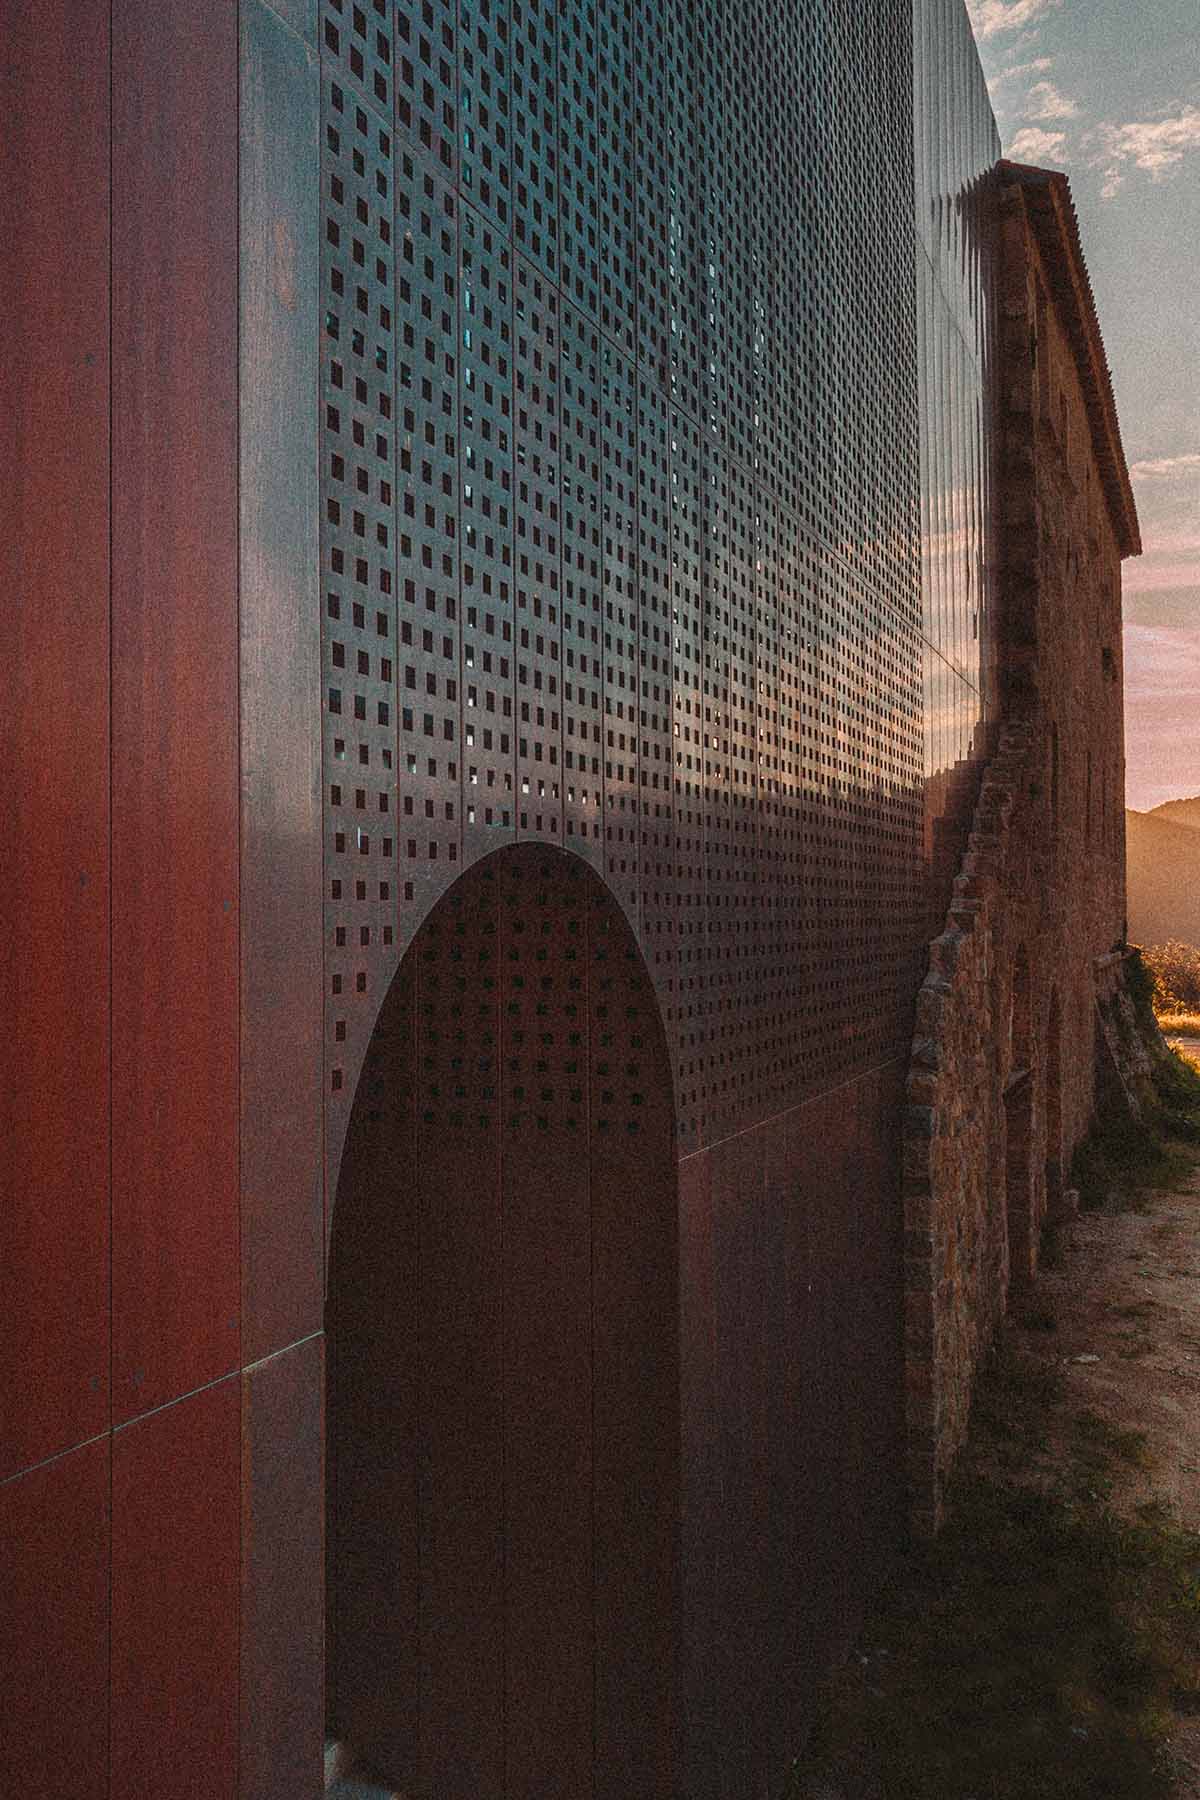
(1122, 1158)
(1177, 1089)
(1187, 1023)
(1167, 975)
(1040, 1649)
(1099, 1443)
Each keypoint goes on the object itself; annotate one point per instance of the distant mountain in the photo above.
(1179, 812)
(1162, 861)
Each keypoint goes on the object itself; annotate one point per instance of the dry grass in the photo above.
(1186, 1022)
(1044, 1647)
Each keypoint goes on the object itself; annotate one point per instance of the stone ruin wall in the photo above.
(1002, 1081)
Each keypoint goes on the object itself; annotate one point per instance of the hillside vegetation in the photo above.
(1162, 855)
(1175, 968)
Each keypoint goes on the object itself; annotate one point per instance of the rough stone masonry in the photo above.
(1003, 1078)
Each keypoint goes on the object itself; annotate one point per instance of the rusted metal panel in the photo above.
(700, 1495)
(373, 1385)
(175, 1581)
(790, 1497)
(791, 1395)
(54, 704)
(635, 1405)
(461, 1254)
(736, 1202)
(504, 1427)
(54, 1628)
(281, 1156)
(280, 1661)
(545, 1280)
(174, 689)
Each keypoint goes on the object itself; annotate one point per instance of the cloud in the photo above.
(1038, 66)
(1170, 560)
(1034, 145)
(1045, 102)
(991, 17)
(1156, 146)
(1162, 694)
(1167, 489)
(1168, 466)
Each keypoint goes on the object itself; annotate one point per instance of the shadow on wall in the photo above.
(503, 1389)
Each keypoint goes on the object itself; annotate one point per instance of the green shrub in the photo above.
(1121, 1156)
(1174, 969)
(1177, 1086)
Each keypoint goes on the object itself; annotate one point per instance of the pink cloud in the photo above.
(1033, 145)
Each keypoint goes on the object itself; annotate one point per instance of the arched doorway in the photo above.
(1018, 1129)
(502, 1396)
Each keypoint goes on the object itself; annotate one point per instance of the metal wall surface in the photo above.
(146, 665)
(176, 1476)
(54, 1605)
(282, 1152)
(956, 145)
(54, 707)
(622, 550)
(174, 660)
(538, 424)
(620, 507)
(503, 1348)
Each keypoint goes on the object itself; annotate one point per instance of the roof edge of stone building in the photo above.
(1051, 212)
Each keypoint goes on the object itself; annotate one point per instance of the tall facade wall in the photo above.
(956, 148)
(161, 1274)
(477, 427)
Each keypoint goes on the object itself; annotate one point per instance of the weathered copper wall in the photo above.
(160, 1404)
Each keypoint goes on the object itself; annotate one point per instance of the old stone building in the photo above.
(1003, 1079)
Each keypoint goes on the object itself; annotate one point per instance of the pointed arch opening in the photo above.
(503, 1380)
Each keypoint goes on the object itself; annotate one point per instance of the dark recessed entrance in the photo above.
(502, 1427)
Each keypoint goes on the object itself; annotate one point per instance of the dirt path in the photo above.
(1126, 1298)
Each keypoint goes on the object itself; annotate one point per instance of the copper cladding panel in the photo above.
(54, 1220)
(176, 1480)
(175, 684)
(54, 1628)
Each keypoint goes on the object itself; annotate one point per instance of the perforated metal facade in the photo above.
(621, 515)
(956, 150)
(484, 425)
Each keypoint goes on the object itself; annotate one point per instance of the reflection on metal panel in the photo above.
(956, 146)
(624, 544)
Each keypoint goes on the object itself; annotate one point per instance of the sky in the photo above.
(1109, 91)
